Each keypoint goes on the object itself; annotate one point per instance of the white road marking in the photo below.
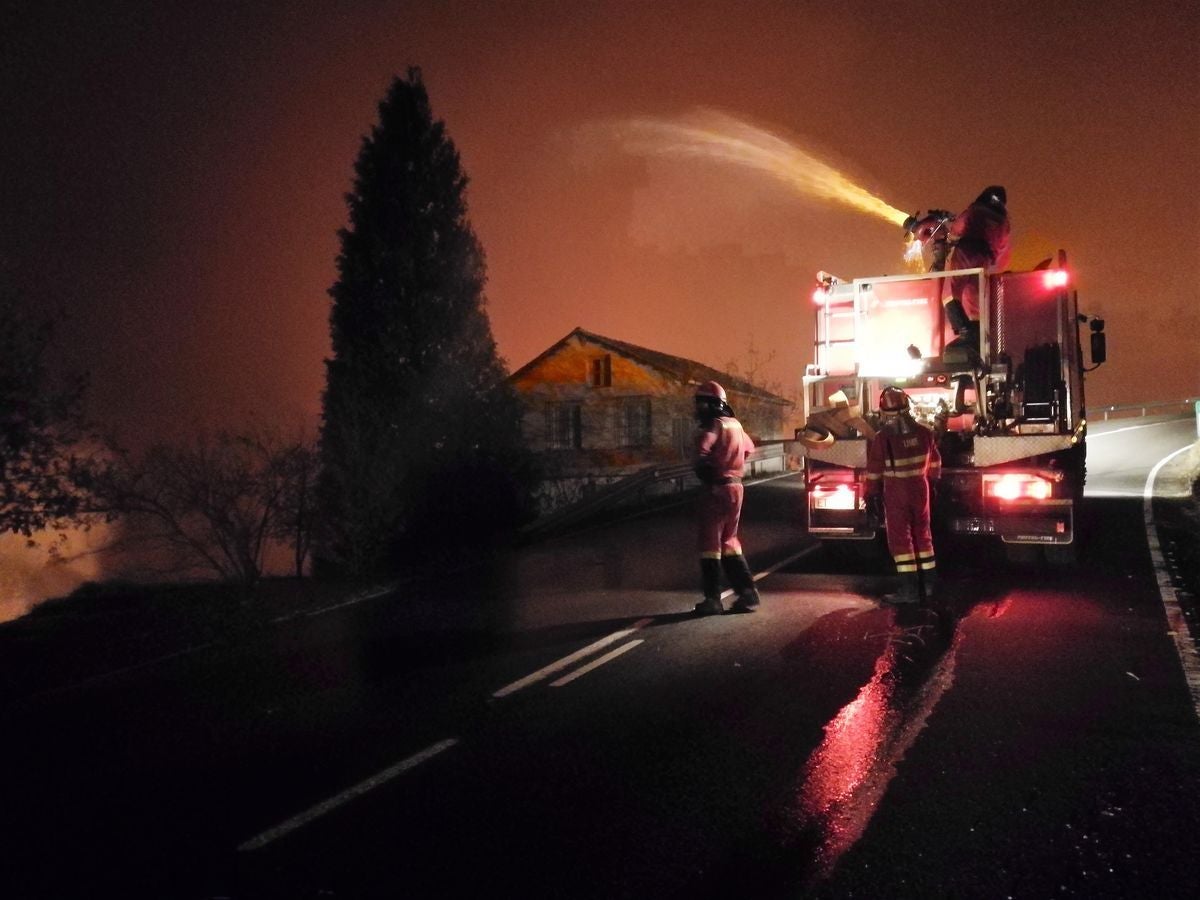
(566, 661)
(1096, 434)
(345, 796)
(811, 548)
(1185, 644)
(596, 663)
(572, 658)
(302, 819)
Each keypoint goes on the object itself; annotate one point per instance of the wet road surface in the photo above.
(559, 726)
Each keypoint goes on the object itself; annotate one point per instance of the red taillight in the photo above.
(1055, 278)
(840, 496)
(1017, 486)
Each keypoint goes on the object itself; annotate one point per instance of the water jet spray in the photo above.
(720, 137)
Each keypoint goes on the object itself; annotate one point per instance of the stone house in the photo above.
(593, 404)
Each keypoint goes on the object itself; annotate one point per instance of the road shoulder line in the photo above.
(1185, 641)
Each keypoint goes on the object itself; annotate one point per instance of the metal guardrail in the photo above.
(633, 489)
(1146, 408)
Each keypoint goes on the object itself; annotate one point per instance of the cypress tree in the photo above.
(421, 448)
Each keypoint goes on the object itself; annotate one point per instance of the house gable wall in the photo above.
(608, 412)
(587, 403)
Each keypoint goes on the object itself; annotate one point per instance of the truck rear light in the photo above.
(1017, 486)
(1055, 278)
(841, 496)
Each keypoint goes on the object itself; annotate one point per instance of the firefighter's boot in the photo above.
(956, 316)
(929, 581)
(710, 580)
(966, 330)
(908, 594)
(738, 572)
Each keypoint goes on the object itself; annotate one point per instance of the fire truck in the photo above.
(1008, 413)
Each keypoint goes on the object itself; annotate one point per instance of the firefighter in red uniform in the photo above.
(722, 446)
(902, 459)
(979, 238)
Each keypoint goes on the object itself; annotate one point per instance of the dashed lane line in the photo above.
(315, 812)
(380, 778)
(596, 663)
(571, 659)
(1185, 642)
(787, 561)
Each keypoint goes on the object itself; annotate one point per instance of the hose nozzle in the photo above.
(923, 228)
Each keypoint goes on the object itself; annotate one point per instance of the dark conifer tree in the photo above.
(420, 441)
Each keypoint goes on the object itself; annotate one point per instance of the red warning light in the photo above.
(820, 295)
(1017, 486)
(1055, 278)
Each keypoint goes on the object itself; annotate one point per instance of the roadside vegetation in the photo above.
(419, 460)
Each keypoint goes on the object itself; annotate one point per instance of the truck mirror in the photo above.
(1099, 348)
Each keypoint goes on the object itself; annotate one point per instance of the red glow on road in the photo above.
(845, 777)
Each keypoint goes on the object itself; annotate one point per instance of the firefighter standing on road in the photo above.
(902, 459)
(979, 237)
(722, 446)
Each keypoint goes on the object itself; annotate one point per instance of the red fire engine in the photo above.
(1008, 413)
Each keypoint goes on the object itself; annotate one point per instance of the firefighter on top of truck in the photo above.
(722, 446)
(979, 238)
(902, 458)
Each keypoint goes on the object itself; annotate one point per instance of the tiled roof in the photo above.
(684, 370)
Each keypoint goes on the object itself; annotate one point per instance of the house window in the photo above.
(633, 422)
(564, 426)
(600, 371)
(683, 435)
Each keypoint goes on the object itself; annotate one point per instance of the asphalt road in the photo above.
(559, 726)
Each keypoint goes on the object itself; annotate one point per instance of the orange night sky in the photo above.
(174, 174)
